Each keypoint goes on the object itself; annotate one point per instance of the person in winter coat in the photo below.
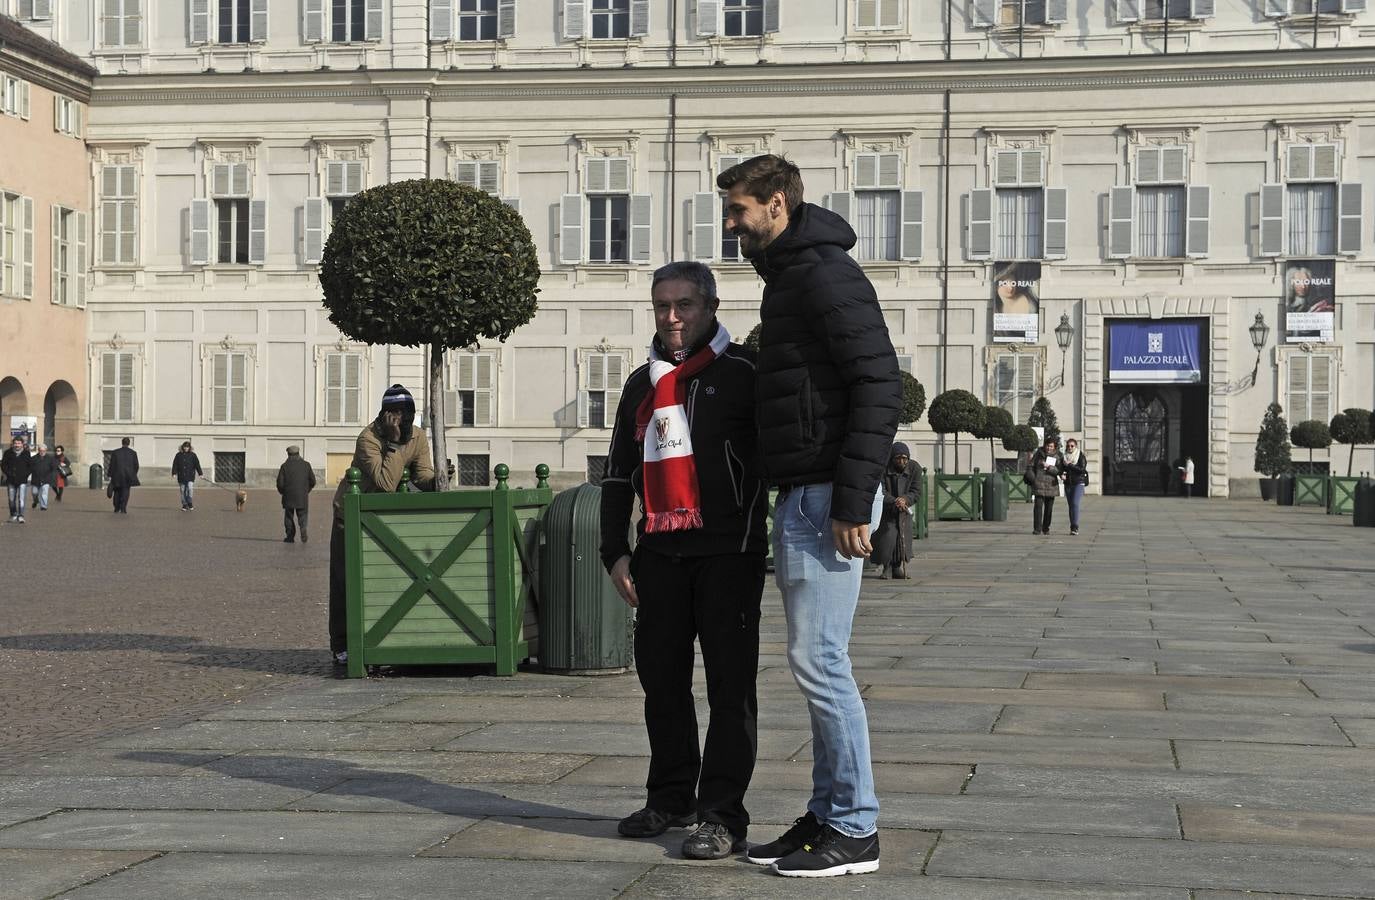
(15, 466)
(901, 494)
(186, 465)
(685, 443)
(1076, 478)
(123, 476)
(64, 471)
(295, 481)
(1046, 469)
(1186, 476)
(829, 395)
(42, 476)
(386, 448)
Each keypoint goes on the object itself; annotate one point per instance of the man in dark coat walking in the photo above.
(186, 465)
(295, 481)
(123, 475)
(901, 494)
(15, 466)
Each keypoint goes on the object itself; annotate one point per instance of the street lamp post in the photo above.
(1064, 333)
(1260, 333)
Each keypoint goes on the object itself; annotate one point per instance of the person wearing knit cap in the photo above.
(901, 494)
(386, 448)
(295, 481)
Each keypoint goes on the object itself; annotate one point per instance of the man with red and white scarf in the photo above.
(684, 443)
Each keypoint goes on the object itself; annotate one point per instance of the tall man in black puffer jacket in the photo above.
(829, 395)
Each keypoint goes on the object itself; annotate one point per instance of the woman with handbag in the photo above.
(1046, 469)
(1076, 478)
(64, 471)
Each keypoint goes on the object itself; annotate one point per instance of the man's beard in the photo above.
(752, 243)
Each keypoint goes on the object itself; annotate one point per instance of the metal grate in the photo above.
(229, 468)
(474, 470)
(596, 469)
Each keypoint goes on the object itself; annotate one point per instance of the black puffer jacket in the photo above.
(828, 383)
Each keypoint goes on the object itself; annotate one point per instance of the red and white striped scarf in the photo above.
(673, 501)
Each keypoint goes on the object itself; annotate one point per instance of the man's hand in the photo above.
(901, 504)
(624, 584)
(391, 424)
(851, 538)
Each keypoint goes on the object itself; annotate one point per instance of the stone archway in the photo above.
(61, 416)
(14, 401)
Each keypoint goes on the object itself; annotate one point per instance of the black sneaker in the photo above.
(649, 822)
(804, 829)
(711, 840)
(831, 853)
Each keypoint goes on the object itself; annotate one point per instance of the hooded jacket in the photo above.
(828, 383)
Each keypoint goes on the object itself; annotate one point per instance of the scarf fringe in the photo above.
(673, 520)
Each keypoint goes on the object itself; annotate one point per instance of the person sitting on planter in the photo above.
(385, 450)
(685, 442)
(1046, 468)
(901, 494)
(1076, 478)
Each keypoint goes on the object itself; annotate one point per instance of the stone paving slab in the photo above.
(104, 761)
(1263, 759)
(786, 775)
(982, 749)
(12, 814)
(598, 738)
(1094, 664)
(43, 873)
(1269, 826)
(1195, 726)
(235, 735)
(1143, 699)
(461, 708)
(1263, 687)
(150, 792)
(1268, 706)
(664, 882)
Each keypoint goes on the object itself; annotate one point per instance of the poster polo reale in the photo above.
(1310, 300)
(1016, 307)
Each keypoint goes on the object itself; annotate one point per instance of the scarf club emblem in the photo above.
(661, 428)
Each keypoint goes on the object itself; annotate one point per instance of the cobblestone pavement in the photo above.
(109, 622)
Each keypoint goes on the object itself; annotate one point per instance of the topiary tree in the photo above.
(1351, 427)
(1043, 416)
(751, 340)
(997, 424)
(1021, 440)
(429, 263)
(952, 412)
(913, 399)
(1272, 444)
(1312, 434)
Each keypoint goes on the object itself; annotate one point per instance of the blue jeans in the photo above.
(820, 593)
(40, 495)
(186, 491)
(18, 494)
(1074, 493)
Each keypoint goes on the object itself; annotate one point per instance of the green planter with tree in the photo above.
(1022, 441)
(957, 496)
(1273, 457)
(997, 425)
(1351, 427)
(1311, 489)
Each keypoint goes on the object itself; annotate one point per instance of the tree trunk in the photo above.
(1349, 454)
(436, 415)
(957, 453)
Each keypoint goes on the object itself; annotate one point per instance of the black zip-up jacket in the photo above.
(15, 466)
(42, 469)
(720, 410)
(828, 382)
(186, 465)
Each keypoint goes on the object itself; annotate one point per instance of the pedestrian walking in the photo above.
(295, 481)
(15, 465)
(42, 477)
(828, 395)
(1076, 479)
(122, 476)
(698, 567)
(1044, 473)
(385, 449)
(901, 494)
(1186, 474)
(186, 465)
(64, 471)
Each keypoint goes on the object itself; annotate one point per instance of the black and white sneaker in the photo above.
(804, 829)
(711, 840)
(831, 853)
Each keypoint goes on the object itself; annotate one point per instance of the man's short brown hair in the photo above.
(764, 176)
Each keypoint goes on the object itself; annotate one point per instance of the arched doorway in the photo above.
(61, 416)
(1140, 443)
(13, 402)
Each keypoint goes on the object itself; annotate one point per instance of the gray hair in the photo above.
(698, 274)
(42, 446)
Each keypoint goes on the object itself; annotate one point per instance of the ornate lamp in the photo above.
(1064, 333)
(1260, 333)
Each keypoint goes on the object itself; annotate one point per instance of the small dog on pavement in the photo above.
(240, 498)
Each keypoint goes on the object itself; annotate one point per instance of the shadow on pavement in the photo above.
(276, 660)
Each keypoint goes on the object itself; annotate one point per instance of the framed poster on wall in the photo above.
(1310, 300)
(1016, 306)
(1155, 352)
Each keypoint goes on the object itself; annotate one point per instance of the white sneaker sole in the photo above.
(859, 868)
(761, 861)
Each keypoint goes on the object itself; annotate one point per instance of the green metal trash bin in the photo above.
(1284, 490)
(585, 627)
(1363, 509)
(96, 477)
(995, 497)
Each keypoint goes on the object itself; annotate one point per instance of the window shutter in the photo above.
(1121, 221)
(615, 380)
(597, 178)
(24, 100)
(335, 178)
(201, 217)
(219, 180)
(1057, 12)
(618, 175)
(482, 390)
(1298, 388)
(257, 20)
(639, 18)
(1276, 8)
(1031, 167)
(466, 173)
(708, 18)
(506, 18)
(219, 387)
(353, 387)
(911, 234)
(866, 170)
(985, 13)
(315, 230)
(42, 9)
(866, 14)
(109, 386)
(76, 119)
(441, 20)
(1201, 9)
(257, 232)
(1299, 163)
(1056, 223)
(1349, 219)
(489, 176)
(570, 229)
(574, 19)
(239, 179)
(593, 379)
(353, 178)
(57, 113)
(771, 16)
(1173, 165)
(450, 407)
(1271, 220)
(1198, 200)
(334, 384)
(56, 260)
(133, 23)
(111, 24)
(26, 276)
(80, 273)
(313, 21)
(1353, 6)
(706, 219)
(1005, 168)
(128, 230)
(979, 241)
(1320, 388)
(372, 21)
(1324, 162)
(1148, 165)
(1128, 10)
(840, 203)
(641, 227)
(238, 368)
(889, 170)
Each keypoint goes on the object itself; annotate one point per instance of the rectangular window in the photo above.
(878, 14)
(730, 243)
(469, 390)
(1310, 387)
(65, 239)
(14, 96)
(1020, 218)
(610, 18)
(1021, 12)
(121, 23)
(235, 22)
(474, 470)
(1157, 10)
(118, 215)
(229, 467)
(11, 243)
(229, 388)
(877, 224)
(608, 228)
(744, 18)
(343, 179)
(348, 20)
(66, 116)
(602, 377)
(1312, 219)
(116, 386)
(1306, 7)
(1160, 221)
(477, 20)
(232, 230)
(343, 388)
(482, 174)
(1014, 384)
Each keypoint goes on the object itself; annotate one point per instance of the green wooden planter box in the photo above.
(1341, 495)
(442, 578)
(1017, 489)
(959, 496)
(1310, 490)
